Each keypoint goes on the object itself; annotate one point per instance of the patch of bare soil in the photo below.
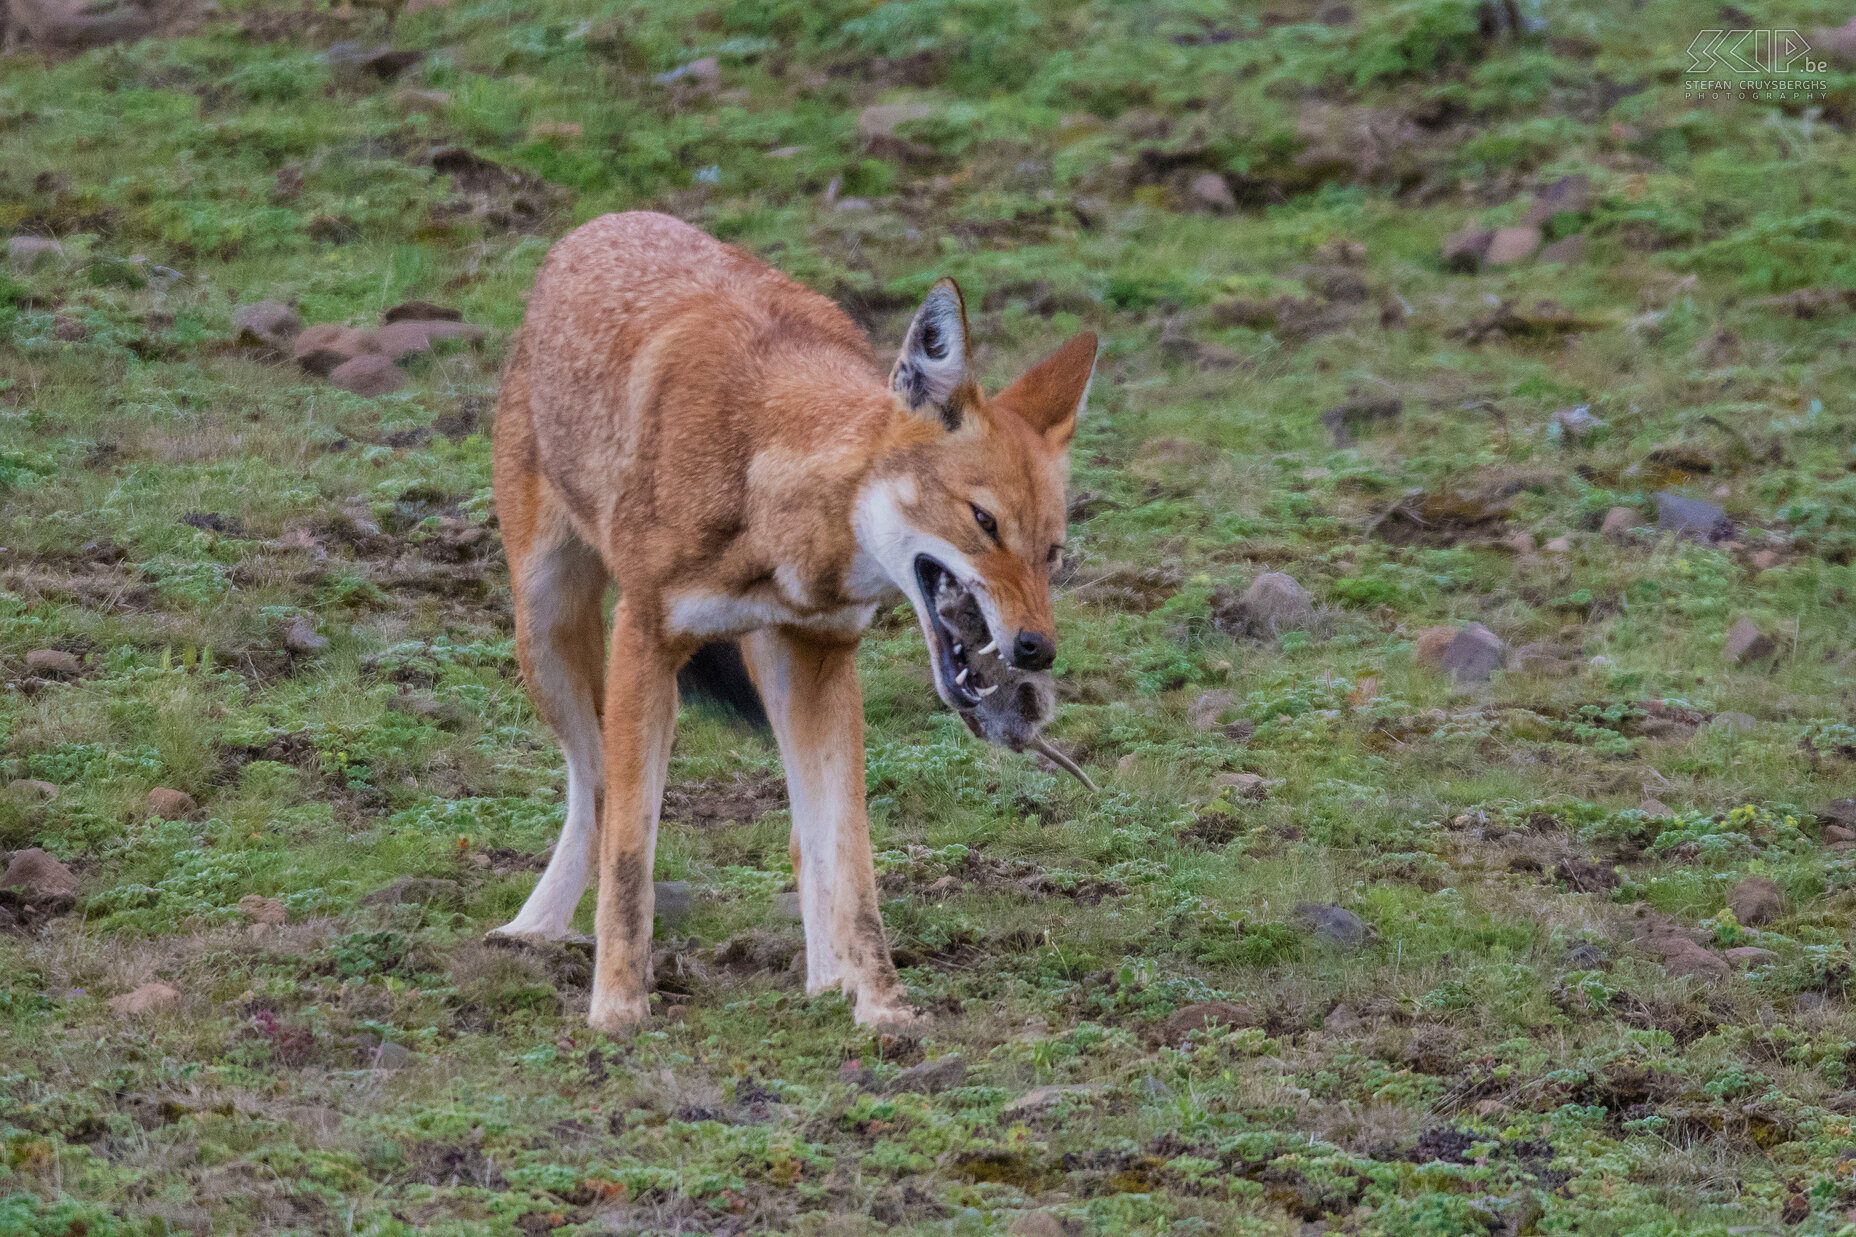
(740, 799)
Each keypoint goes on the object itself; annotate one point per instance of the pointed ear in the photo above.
(1050, 396)
(931, 373)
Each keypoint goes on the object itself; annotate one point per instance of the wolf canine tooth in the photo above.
(984, 692)
(992, 646)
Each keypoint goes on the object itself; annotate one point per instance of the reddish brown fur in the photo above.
(687, 420)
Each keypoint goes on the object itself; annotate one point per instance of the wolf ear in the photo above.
(1049, 397)
(931, 373)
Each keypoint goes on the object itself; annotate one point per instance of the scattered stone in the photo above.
(1464, 248)
(52, 664)
(1431, 643)
(1765, 560)
(439, 330)
(878, 123)
(1342, 1020)
(930, 1077)
(1747, 644)
(1273, 604)
(1473, 655)
(1692, 517)
(1561, 544)
(1543, 657)
(1810, 1002)
(1756, 901)
(1619, 521)
(420, 311)
(1567, 250)
(38, 874)
(1187, 1019)
(1684, 958)
(270, 325)
(392, 1056)
(1567, 195)
(399, 340)
(1511, 245)
(27, 252)
(321, 349)
(674, 902)
(382, 61)
(1656, 809)
(704, 72)
(1343, 420)
(1734, 721)
(1576, 424)
(31, 790)
(260, 909)
(73, 24)
(171, 804)
(1043, 1099)
(787, 906)
(1839, 814)
(1210, 191)
(369, 375)
(1333, 925)
(300, 635)
(1037, 1224)
(1207, 709)
(413, 100)
(1522, 543)
(146, 999)
(422, 890)
(1244, 785)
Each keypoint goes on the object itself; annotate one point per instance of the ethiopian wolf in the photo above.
(685, 420)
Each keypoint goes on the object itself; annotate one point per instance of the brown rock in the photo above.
(1474, 655)
(29, 251)
(369, 375)
(30, 790)
(300, 635)
(1684, 958)
(413, 100)
(1190, 1018)
(1568, 249)
(1765, 560)
(1464, 248)
(399, 340)
(1619, 521)
(881, 120)
(1041, 1099)
(270, 325)
(1246, 785)
(420, 311)
(1746, 644)
(1431, 644)
(260, 909)
(1210, 192)
(1274, 603)
(1037, 1224)
(1749, 955)
(435, 331)
(74, 24)
(1522, 543)
(52, 664)
(1839, 813)
(1207, 709)
(39, 874)
(147, 999)
(1511, 245)
(1656, 809)
(322, 348)
(171, 804)
(1837, 833)
(1756, 901)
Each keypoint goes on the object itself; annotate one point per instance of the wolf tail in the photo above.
(717, 674)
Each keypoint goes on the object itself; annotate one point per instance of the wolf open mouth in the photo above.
(954, 617)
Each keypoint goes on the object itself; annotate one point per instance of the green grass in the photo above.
(1498, 1058)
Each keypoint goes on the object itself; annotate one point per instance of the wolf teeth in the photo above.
(957, 650)
(983, 692)
(992, 646)
(961, 678)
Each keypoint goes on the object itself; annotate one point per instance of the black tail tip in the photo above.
(718, 675)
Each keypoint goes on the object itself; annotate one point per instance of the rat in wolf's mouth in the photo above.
(1015, 705)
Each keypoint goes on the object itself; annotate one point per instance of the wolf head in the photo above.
(965, 509)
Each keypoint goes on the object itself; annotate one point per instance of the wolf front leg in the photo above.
(816, 705)
(639, 720)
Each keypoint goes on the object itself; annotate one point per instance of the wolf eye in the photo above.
(984, 519)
